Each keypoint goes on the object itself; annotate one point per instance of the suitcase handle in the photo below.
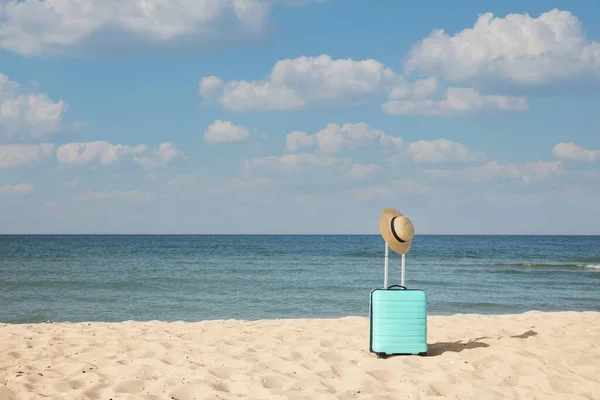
(385, 268)
(398, 286)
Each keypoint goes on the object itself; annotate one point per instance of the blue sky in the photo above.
(299, 116)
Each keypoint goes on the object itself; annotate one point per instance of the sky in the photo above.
(299, 116)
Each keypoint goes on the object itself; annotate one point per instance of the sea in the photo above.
(112, 278)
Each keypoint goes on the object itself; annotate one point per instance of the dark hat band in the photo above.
(394, 231)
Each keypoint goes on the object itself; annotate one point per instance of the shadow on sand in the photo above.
(525, 335)
(435, 349)
(439, 348)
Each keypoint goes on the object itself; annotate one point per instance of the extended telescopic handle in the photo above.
(385, 268)
(403, 268)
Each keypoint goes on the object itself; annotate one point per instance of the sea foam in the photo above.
(591, 266)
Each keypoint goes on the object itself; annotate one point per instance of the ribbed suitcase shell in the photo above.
(398, 320)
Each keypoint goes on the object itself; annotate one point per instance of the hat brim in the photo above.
(385, 227)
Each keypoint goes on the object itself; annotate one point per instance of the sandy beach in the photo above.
(534, 355)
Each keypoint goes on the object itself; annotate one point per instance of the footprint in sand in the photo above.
(131, 386)
(33, 379)
(165, 344)
(30, 387)
(221, 372)
(561, 384)
(441, 389)
(248, 358)
(311, 365)
(329, 388)
(77, 383)
(381, 375)
(326, 374)
(220, 387)
(14, 354)
(272, 382)
(413, 362)
(62, 386)
(331, 357)
(337, 369)
(94, 391)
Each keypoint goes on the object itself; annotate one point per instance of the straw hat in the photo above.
(396, 229)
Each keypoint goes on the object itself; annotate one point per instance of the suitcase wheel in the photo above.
(384, 355)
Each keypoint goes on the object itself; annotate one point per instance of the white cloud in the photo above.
(6, 85)
(540, 170)
(295, 83)
(129, 196)
(361, 171)
(571, 152)
(436, 152)
(393, 142)
(20, 189)
(225, 132)
(419, 89)
(33, 27)
(71, 183)
(296, 140)
(83, 153)
(424, 88)
(517, 47)
(77, 154)
(18, 155)
(292, 162)
(399, 187)
(493, 171)
(333, 138)
(456, 101)
(165, 154)
(28, 116)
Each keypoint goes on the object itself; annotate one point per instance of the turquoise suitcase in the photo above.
(398, 319)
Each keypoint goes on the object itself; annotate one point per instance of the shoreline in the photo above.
(297, 319)
(534, 354)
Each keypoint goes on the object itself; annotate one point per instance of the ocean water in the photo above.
(193, 278)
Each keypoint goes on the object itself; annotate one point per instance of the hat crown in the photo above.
(404, 228)
(397, 230)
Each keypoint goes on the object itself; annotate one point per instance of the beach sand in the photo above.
(534, 355)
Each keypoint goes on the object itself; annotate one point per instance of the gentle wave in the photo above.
(544, 265)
